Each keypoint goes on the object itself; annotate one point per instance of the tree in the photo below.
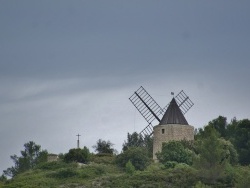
(174, 151)
(133, 140)
(103, 147)
(230, 152)
(3, 178)
(136, 140)
(148, 144)
(220, 125)
(130, 169)
(31, 156)
(237, 132)
(77, 155)
(240, 137)
(212, 158)
(138, 156)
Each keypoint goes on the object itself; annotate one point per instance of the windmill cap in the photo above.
(173, 115)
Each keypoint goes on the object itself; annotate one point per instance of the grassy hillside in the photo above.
(59, 174)
(219, 156)
(102, 172)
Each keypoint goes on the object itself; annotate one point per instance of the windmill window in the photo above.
(163, 131)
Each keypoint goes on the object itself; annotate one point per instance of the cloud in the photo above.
(70, 68)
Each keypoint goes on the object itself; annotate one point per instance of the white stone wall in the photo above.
(165, 133)
(52, 157)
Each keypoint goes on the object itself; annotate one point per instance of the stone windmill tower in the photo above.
(172, 123)
(173, 126)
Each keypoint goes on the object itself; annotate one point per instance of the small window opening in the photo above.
(163, 131)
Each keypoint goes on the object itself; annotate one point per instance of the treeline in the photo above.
(219, 156)
(237, 132)
(216, 157)
(33, 156)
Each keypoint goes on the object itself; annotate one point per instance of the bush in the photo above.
(182, 174)
(138, 157)
(130, 169)
(242, 176)
(153, 167)
(99, 170)
(170, 164)
(77, 155)
(52, 165)
(65, 173)
(175, 151)
(201, 185)
(103, 158)
(103, 146)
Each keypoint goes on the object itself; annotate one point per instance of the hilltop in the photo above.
(217, 157)
(104, 173)
(101, 172)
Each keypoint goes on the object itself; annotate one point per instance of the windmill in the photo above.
(150, 109)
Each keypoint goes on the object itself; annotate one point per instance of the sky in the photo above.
(69, 67)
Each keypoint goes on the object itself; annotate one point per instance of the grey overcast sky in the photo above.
(69, 67)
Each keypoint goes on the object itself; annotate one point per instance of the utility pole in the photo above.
(78, 142)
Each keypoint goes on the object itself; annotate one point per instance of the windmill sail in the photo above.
(146, 105)
(148, 130)
(151, 111)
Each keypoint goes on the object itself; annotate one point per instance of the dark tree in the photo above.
(214, 155)
(237, 132)
(104, 147)
(3, 178)
(30, 157)
(138, 156)
(220, 125)
(241, 140)
(136, 140)
(133, 140)
(77, 155)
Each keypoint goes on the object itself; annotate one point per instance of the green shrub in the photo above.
(99, 170)
(103, 147)
(175, 151)
(182, 174)
(199, 184)
(103, 158)
(65, 173)
(137, 155)
(130, 169)
(170, 164)
(77, 155)
(104, 155)
(242, 176)
(93, 170)
(153, 167)
(52, 165)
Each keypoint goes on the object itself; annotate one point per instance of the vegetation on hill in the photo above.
(30, 157)
(77, 155)
(218, 157)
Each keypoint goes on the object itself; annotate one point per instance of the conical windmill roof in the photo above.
(173, 115)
